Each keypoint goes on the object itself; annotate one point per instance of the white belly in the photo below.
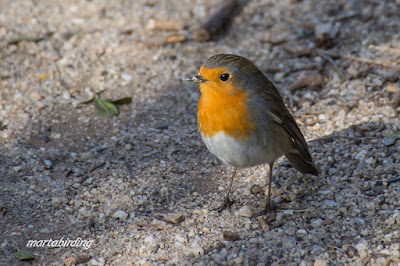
(245, 153)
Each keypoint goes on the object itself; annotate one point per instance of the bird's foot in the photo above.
(270, 208)
(225, 205)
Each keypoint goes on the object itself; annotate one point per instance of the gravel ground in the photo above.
(141, 185)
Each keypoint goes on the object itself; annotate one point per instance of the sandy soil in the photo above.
(141, 185)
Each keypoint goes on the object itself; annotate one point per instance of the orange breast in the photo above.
(222, 111)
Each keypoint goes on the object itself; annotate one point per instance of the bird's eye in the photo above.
(224, 77)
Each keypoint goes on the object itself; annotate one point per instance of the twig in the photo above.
(174, 38)
(330, 60)
(158, 226)
(96, 167)
(390, 227)
(393, 181)
(385, 49)
(220, 19)
(343, 137)
(304, 210)
(30, 39)
(330, 246)
(27, 39)
(362, 60)
(306, 79)
(166, 25)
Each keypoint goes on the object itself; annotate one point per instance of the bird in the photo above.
(244, 122)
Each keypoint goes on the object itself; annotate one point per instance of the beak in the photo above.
(197, 79)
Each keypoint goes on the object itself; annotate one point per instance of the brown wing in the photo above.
(300, 157)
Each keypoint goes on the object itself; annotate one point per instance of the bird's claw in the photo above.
(225, 205)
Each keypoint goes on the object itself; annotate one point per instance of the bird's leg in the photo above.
(268, 206)
(227, 201)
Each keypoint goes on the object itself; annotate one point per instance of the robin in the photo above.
(243, 120)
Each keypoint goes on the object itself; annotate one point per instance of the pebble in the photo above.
(370, 161)
(95, 262)
(150, 240)
(55, 202)
(180, 238)
(256, 189)
(44, 230)
(128, 147)
(17, 169)
(175, 218)
(48, 163)
(277, 199)
(196, 251)
(126, 77)
(320, 262)
(236, 261)
(55, 135)
(121, 215)
(301, 232)
(389, 142)
(245, 211)
(288, 212)
(230, 236)
(361, 155)
(316, 223)
(66, 95)
(362, 249)
(331, 203)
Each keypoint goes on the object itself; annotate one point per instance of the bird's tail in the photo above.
(301, 164)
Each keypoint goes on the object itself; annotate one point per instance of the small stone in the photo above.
(55, 135)
(389, 142)
(4, 243)
(320, 262)
(126, 77)
(95, 262)
(351, 251)
(236, 261)
(331, 203)
(365, 232)
(370, 161)
(263, 223)
(175, 218)
(316, 223)
(256, 189)
(245, 211)
(55, 202)
(288, 212)
(230, 236)
(128, 147)
(301, 232)
(325, 192)
(78, 259)
(86, 156)
(66, 95)
(150, 240)
(196, 250)
(277, 200)
(48, 163)
(45, 230)
(362, 249)
(180, 238)
(361, 155)
(17, 169)
(46, 139)
(121, 215)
